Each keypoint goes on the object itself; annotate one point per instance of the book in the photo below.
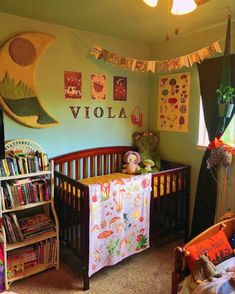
(2, 171)
(15, 220)
(2, 199)
(5, 167)
(15, 267)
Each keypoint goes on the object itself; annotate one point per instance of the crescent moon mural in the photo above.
(18, 95)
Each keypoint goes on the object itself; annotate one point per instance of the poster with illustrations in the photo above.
(120, 88)
(72, 85)
(98, 86)
(173, 102)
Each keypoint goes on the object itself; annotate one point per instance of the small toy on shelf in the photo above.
(132, 160)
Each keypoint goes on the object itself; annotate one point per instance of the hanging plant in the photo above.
(226, 94)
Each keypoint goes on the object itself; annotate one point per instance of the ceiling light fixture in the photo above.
(180, 7)
(152, 3)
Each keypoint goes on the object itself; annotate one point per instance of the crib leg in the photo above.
(85, 280)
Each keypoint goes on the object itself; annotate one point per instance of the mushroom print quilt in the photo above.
(119, 219)
(173, 102)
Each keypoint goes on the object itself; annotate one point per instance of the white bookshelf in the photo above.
(46, 206)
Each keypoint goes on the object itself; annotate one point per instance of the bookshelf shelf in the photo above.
(31, 271)
(28, 220)
(23, 207)
(30, 175)
(30, 241)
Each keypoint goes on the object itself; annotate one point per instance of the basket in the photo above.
(25, 145)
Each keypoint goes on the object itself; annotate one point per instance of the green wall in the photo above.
(70, 52)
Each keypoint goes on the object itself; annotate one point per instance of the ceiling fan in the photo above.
(199, 2)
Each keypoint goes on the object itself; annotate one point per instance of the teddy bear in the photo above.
(132, 160)
(147, 144)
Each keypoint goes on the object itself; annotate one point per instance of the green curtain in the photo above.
(210, 72)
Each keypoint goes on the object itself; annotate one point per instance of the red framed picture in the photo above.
(120, 88)
(72, 85)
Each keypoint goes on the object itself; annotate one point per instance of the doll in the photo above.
(132, 160)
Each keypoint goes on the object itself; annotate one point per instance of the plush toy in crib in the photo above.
(147, 144)
(148, 165)
(204, 269)
(132, 160)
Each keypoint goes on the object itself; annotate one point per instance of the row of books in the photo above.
(18, 230)
(18, 163)
(21, 259)
(25, 191)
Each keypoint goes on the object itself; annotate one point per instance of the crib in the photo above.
(169, 206)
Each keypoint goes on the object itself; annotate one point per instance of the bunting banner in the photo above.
(156, 65)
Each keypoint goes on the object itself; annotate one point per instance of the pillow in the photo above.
(217, 248)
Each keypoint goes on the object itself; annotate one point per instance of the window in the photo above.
(228, 136)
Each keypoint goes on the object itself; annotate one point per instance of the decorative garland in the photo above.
(156, 65)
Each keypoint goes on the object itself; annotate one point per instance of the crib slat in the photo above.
(112, 157)
(91, 168)
(99, 160)
(77, 169)
(84, 172)
(76, 220)
(105, 164)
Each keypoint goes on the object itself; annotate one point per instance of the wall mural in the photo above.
(18, 94)
(72, 85)
(173, 102)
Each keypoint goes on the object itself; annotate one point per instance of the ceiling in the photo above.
(128, 19)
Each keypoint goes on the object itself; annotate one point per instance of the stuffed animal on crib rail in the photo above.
(204, 269)
(147, 144)
(132, 160)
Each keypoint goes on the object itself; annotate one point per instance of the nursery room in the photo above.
(117, 146)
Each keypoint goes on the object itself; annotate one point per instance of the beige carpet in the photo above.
(146, 272)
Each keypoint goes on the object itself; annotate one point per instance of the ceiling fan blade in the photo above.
(199, 2)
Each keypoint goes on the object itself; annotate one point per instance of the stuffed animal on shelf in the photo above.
(132, 160)
(147, 144)
(204, 269)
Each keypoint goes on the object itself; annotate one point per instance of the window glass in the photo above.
(228, 136)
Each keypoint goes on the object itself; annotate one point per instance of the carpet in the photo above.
(146, 272)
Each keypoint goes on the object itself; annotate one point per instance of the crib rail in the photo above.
(170, 201)
(91, 162)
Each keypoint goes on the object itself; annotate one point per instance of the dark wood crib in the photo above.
(169, 198)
